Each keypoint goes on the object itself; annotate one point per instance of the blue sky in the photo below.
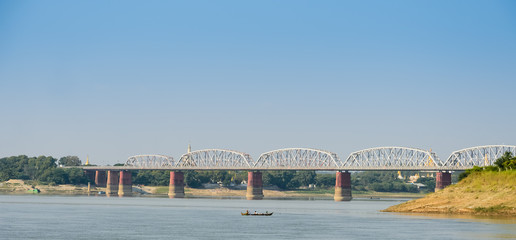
(111, 79)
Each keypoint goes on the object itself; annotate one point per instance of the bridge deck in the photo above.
(131, 168)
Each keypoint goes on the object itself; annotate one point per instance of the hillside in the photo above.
(482, 193)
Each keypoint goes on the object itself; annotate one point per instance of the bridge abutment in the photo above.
(125, 184)
(112, 183)
(342, 186)
(176, 188)
(100, 178)
(254, 186)
(442, 180)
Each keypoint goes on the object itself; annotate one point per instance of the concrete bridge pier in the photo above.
(125, 184)
(112, 183)
(176, 188)
(100, 178)
(254, 186)
(342, 186)
(442, 180)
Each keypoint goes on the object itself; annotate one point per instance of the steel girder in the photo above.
(477, 156)
(380, 158)
(299, 159)
(392, 158)
(150, 161)
(215, 158)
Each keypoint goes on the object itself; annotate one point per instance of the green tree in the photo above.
(70, 161)
(325, 180)
(510, 164)
(54, 176)
(381, 181)
(279, 178)
(304, 178)
(160, 178)
(76, 176)
(429, 182)
(500, 162)
(192, 179)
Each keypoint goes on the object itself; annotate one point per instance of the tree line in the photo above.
(43, 169)
(285, 180)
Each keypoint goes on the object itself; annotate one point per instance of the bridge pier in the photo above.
(176, 188)
(442, 180)
(254, 186)
(342, 186)
(100, 178)
(125, 184)
(112, 183)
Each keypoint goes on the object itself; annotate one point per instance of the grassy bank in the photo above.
(481, 193)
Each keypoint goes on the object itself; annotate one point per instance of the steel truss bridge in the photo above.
(379, 158)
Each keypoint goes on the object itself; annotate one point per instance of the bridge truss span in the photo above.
(477, 156)
(298, 159)
(392, 158)
(150, 161)
(215, 159)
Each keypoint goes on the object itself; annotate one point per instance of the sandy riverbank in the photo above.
(15, 186)
(481, 193)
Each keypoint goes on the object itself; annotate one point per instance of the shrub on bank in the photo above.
(506, 162)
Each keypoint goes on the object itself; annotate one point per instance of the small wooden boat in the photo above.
(256, 214)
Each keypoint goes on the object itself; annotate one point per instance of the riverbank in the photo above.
(303, 193)
(481, 193)
(15, 186)
(22, 187)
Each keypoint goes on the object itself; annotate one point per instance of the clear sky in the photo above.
(111, 79)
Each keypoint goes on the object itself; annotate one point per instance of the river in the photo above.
(100, 217)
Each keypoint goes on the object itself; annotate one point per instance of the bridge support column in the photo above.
(342, 186)
(100, 178)
(442, 180)
(176, 188)
(125, 184)
(254, 186)
(112, 182)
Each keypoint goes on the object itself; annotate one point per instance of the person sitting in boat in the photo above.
(266, 212)
(247, 212)
(254, 212)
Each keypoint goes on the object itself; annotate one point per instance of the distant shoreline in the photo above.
(19, 187)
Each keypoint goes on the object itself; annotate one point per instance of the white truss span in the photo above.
(392, 158)
(215, 159)
(380, 158)
(298, 158)
(150, 161)
(477, 156)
